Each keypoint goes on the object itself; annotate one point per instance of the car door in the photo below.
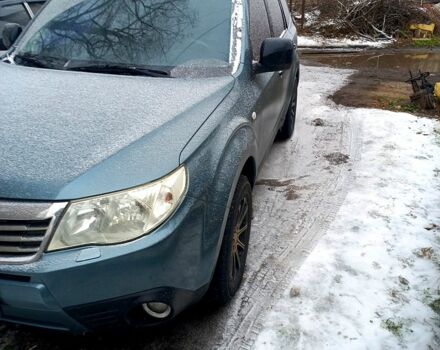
(289, 32)
(268, 86)
(279, 28)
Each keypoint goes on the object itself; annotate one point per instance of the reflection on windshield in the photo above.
(135, 32)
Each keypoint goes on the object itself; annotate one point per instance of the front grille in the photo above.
(22, 238)
(25, 229)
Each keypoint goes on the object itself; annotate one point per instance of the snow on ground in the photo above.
(373, 281)
(321, 42)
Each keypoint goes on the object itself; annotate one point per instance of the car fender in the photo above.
(214, 168)
(240, 148)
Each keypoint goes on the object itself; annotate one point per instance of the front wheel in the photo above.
(232, 259)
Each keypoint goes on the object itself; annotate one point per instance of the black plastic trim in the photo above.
(16, 278)
(127, 311)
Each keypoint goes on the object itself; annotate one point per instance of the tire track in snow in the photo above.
(306, 219)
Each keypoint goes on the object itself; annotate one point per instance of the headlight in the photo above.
(121, 216)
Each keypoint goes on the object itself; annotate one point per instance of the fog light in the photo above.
(157, 309)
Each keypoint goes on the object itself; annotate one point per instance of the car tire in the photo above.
(231, 263)
(286, 131)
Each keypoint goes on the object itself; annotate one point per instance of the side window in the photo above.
(277, 20)
(286, 11)
(259, 26)
(35, 6)
(14, 14)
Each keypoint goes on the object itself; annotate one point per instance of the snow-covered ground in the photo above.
(321, 42)
(373, 281)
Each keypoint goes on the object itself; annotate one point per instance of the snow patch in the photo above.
(318, 41)
(373, 280)
(236, 34)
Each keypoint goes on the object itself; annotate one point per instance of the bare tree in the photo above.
(372, 19)
(376, 18)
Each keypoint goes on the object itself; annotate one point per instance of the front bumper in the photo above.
(85, 289)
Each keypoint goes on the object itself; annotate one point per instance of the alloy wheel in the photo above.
(240, 239)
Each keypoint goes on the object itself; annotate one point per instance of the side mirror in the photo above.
(276, 54)
(11, 32)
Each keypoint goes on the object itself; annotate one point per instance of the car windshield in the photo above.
(154, 34)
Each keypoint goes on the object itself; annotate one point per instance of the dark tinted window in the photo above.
(259, 26)
(276, 17)
(14, 14)
(286, 11)
(35, 6)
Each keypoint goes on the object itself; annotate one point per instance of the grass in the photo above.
(431, 298)
(403, 105)
(399, 105)
(431, 42)
(393, 326)
(435, 306)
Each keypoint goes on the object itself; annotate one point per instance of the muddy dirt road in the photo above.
(380, 80)
(299, 191)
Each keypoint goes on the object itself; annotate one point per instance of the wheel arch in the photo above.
(250, 170)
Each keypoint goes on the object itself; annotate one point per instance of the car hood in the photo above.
(67, 135)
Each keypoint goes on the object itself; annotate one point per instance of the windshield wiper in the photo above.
(35, 60)
(31, 60)
(120, 69)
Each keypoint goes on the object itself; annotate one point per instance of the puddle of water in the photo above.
(397, 61)
(380, 80)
